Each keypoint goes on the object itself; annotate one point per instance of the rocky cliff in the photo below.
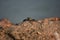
(30, 29)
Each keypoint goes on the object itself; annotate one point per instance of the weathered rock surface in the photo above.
(45, 29)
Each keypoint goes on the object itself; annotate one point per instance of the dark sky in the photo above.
(17, 10)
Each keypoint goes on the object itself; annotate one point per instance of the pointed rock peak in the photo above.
(5, 22)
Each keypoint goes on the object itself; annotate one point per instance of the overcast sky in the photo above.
(17, 10)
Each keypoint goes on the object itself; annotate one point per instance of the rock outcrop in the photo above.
(31, 29)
